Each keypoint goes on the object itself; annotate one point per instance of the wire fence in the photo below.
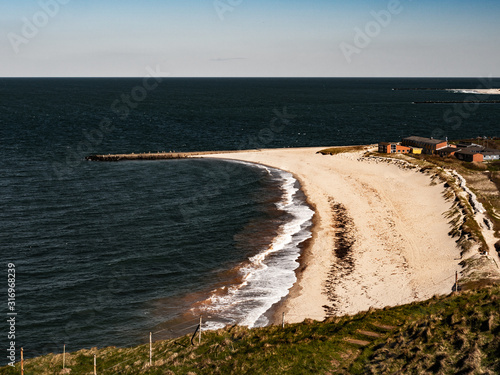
(142, 357)
(175, 331)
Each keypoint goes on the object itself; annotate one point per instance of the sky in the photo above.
(249, 38)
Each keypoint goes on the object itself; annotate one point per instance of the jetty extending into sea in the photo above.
(152, 155)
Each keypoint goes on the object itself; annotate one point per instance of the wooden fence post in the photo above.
(64, 356)
(199, 337)
(283, 320)
(22, 361)
(95, 365)
(150, 349)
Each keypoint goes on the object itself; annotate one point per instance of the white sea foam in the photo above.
(469, 91)
(271, 273)
(465, 92)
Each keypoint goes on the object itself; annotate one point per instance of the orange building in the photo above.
(428, 145)
(392, 148)
(469, 155)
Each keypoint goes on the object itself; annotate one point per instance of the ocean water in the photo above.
(107, 252)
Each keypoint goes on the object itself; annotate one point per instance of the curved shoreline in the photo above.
(287, 245)
(396, 259)
(274, 314)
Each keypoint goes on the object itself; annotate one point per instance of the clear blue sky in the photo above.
(250, 38)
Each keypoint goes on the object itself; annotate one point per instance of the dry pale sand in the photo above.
(479, 91)
(401, 251)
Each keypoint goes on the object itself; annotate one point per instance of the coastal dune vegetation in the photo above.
(454, 334)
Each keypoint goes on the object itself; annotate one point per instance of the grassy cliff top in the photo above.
(454, 334)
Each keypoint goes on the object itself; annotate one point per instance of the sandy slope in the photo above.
(401, 252)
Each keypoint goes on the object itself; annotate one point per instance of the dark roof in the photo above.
(467, 151)
(475, 149)
(424, 140)
(478, 150)
(449, 149)
(490, 152)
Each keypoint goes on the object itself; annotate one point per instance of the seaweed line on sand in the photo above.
(343, 264)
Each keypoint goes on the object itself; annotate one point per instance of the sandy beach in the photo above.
(478, 91)
(379, 239)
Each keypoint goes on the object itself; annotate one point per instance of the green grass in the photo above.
(494, 166)
(452, 334)
(340, 150)
(475, 166)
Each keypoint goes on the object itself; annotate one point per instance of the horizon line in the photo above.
(254, 77)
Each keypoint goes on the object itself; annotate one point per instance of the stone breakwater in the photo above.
(153, 155)
(143, 156)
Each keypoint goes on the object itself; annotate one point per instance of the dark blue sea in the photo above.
(105, 253)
